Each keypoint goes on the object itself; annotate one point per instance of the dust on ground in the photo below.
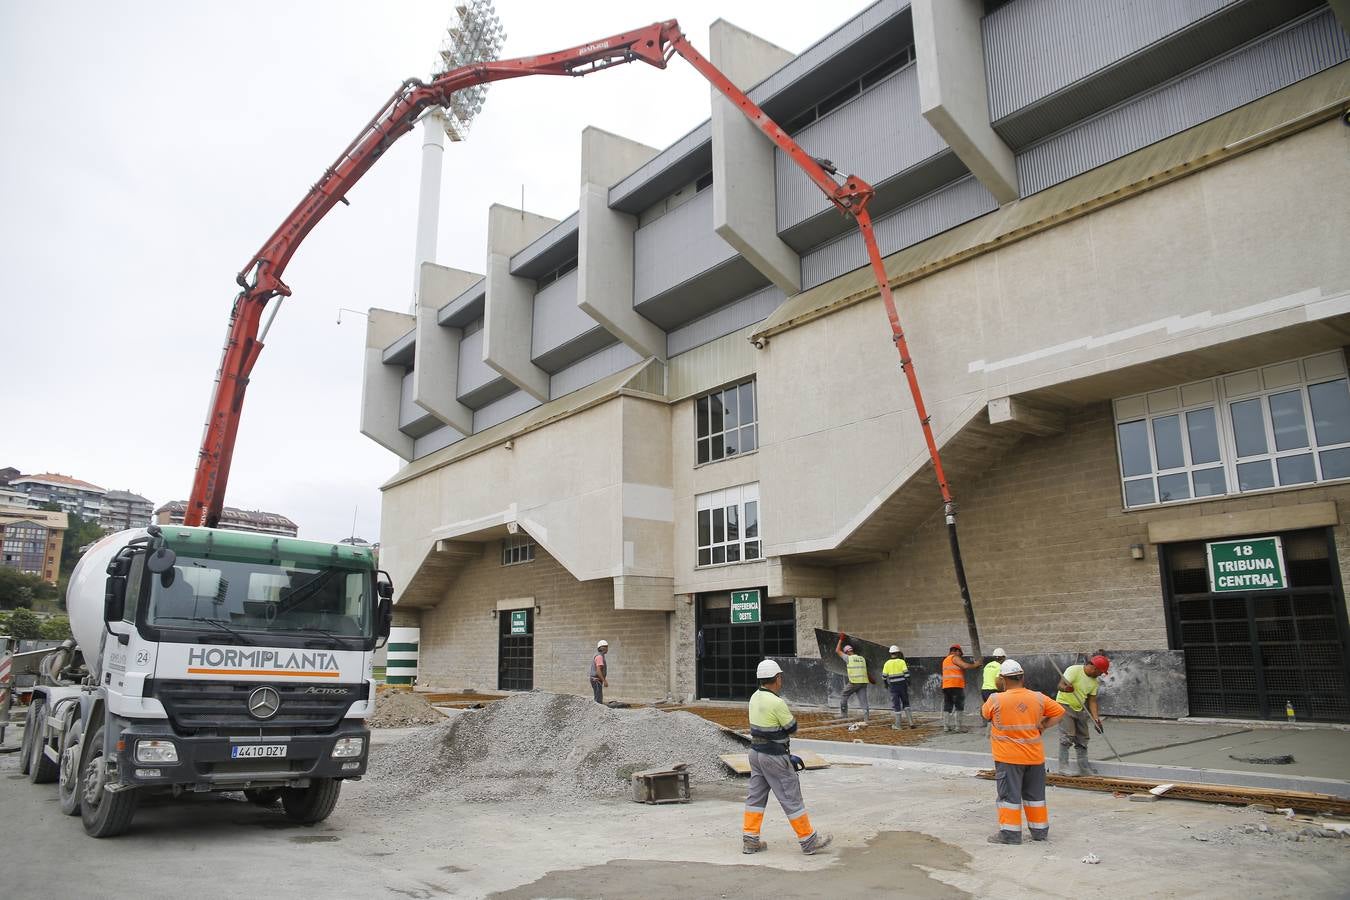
(400, 709)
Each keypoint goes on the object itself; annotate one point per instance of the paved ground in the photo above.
(899, 828)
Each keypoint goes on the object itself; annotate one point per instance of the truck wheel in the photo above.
(68, 779)
(41, 770)
(104, 814)
(264, 797)
(305, 806)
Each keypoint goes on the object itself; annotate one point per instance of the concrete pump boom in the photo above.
(260, 280)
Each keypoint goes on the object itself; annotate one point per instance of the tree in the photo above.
(57, 628)
(19, 589)
(24, 625)
(79, 532)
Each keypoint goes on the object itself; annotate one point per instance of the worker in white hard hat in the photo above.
(599, 671)
(895, 672)
(773, 768)
(1017, 719)
(855, 665)
(989, 686)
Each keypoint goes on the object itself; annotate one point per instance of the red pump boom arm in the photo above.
(260, 280)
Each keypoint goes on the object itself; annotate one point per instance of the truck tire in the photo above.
(305, 806)
(41, 770)
(68, 776)
(104, 814)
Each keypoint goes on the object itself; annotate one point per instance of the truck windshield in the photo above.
(253, 596)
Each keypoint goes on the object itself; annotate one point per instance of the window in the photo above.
(703, 183)
(517, 549)
(728, 526)
(1281, 425)
(557, 273)
(726, 422)
(872, 76)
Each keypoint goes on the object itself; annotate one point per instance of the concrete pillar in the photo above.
(810, 612)
(605, 242)
(508, 310)
(953, 92)
(429, 195)
(745, 195)
(382, 385)
(436, 348)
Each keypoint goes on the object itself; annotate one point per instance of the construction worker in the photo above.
(858, 678)
(599, 671)
(1017, 717)
(1078, 692)
(772, 766)
(990, 684)
(895, 672)
(954, 668)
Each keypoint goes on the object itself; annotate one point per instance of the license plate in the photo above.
(259, 751)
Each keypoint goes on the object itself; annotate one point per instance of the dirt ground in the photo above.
(899, 828)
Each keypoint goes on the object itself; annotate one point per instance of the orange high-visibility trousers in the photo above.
(1021, 789)
(773, 774)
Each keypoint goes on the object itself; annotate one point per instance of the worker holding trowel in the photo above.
(858, 677)
(773, 768)
(1078, 693)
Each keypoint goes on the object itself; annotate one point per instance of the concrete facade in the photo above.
(774, 448)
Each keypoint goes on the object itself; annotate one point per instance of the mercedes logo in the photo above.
(264, 703)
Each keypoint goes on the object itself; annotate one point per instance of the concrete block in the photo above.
(436, 373)
(381, 385)
(508, 310)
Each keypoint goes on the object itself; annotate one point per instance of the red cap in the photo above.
(956, 647)
(1100, 663)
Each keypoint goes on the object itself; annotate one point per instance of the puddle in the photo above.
(314, 839)
(889, 864)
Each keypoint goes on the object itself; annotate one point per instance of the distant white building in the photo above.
(75, 497)
(123, 510)
(254, 520)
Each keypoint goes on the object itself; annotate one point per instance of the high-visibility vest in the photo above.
(1015, 725)
(953, 676)
(857, 669)
(990, 676)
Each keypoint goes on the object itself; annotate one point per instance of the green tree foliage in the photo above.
(19, 589)
(79, 532)
(57, 628)
(24, 625)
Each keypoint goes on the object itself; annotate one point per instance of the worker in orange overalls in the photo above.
(1017, 718)
(954, 668)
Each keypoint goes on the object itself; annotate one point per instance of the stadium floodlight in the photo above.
(474, 35)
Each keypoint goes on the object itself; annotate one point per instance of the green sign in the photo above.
(1256, 564)
(744, 607)
(520, 621)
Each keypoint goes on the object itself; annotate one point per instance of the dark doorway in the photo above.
(515, 652)
(1250, 653)
(729, 653)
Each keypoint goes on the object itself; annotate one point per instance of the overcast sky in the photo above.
(150, 148)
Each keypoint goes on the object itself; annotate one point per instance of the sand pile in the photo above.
(541, 746)
(401, 709)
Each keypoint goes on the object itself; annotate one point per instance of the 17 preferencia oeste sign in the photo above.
(1254, 564)
(520, 621)
(744, 607)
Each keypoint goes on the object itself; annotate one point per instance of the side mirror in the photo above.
(161, 560)
(115, 598)
(384, 585)
(384, 620)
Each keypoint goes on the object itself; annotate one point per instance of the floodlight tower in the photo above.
(473, 35)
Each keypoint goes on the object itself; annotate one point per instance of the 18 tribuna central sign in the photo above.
(1255, 564)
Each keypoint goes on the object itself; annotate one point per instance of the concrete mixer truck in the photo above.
(209, 660)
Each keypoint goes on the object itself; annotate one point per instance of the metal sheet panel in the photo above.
(436, 440)
(413, 420)
(676, 247)
(958, 202)
(498, 411)
(473, 372)
(557, 318)
(833, 44)
(1291, 54)
(464, 308)
(896, 137)
(678, 164)
(614, 358)
(732, 317)
(400, 352)
(548, 251)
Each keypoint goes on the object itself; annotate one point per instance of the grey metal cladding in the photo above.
(678, 164)
(413, 420)
(498, 411)
(464, 308)
(676, 247)
(822, 51)
(1164, 58)
(733, 317)
(479, 383)
(557, 318)
(400, 352)
(958, 202)
(436, 440)
(587, 371)
(877, 135)
(1303, 48)
(548, 251)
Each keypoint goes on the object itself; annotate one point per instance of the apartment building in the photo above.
(675, 419)
(255, 520)
(31, 540)
(123, 510)
(75, 497)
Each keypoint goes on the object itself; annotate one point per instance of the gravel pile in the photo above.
(401, 709)
(541, 746)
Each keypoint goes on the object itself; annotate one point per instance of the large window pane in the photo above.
(752, 518)
(752, 549)
(705, 557)
(1134, 458)
(1249, 428)
(717, 451)
(719, 528)
(1174, 487)
(719, 555)
(1296, 469)
(730, 419)
(733, 524)
(1204, 435)
(704, 527)
(1167, 442)
(1253, 476)
(747, 392)
(731, 442)
(703, 451)
(701, 415)
(1335, 463)
(1331, 411)
(1286, 415)
(1209, 482)
(748, 439)
(1139, 492)
(715, 412)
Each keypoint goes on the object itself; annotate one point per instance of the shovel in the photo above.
(1102, 732)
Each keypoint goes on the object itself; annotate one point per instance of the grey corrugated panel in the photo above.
(430, 443)
(557, 318)
(878, 134)
(400, 352)
(1291, 54)
(510, 406)
(1033, 48)
(563, 231)
(676, 247)
(413, 420)
(473, 372)
(614, 358)
(732, 317)
(465, 307)
(694, 143)
(958, 202)
(832, 44)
